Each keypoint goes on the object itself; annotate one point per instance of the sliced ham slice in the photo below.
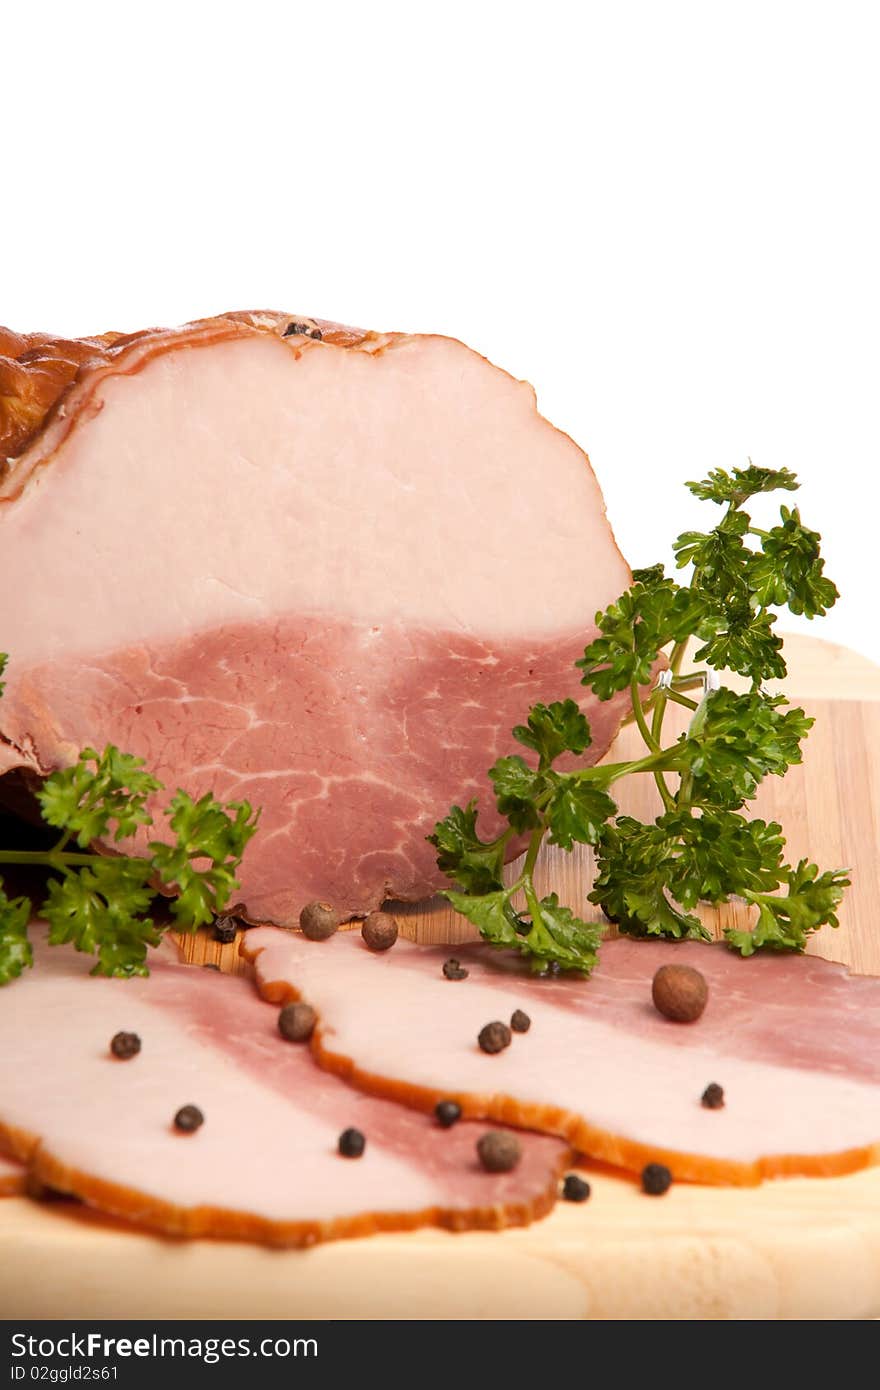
(264, 1165)
(324, 574)
(793, 1041)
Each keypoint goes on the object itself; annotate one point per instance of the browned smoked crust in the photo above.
(46, 380)
(12, 1184)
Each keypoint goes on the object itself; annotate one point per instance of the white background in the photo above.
(663, 215)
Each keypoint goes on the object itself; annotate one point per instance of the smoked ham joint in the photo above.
(296, 575)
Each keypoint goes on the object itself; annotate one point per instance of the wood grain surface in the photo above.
(792, 1248)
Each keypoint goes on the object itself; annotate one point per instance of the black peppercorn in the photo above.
(188, 1119)
(308, 330)
(351, 1143)
(499, 1151)
(125, 1045)
(225, 929)
(520, 1022)
(318, 921)
(494, 1037)
(656, 1179)
(713, 1096)
(575, 1189)
(447, 1112)
(454, 970)
(296, 1022)
(379, 931)
(209, 965)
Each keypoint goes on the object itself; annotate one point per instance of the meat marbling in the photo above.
(264, 1165)
(793, 1041)
(327, 575)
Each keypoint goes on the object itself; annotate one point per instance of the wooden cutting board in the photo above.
(792, 1248)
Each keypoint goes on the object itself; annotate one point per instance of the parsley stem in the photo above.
(537, 931)
(53, 857)
(656, 728)
(649, 737)
(676, 657)
(664, 760)
(683, 800)
(532, 853)
(681, 699)
(640, 718)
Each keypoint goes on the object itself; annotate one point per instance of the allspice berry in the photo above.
(379, 931)
(318, 921)
(296, 1022)
(499, 1151)
(679, 993)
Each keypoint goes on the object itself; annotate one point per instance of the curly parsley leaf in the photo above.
(16, 952)
(101, 909)
(577, 811)
(737, 487)
(651, 614)
(786, 922)
(554, 729)
(100, 903)
(789, 569)
(559, 938)
(3, 661)
(735, 741)
(720, 559)
(748, 645)
(205, 831)
(635, 864)
(473, 863)
(491, 913)
(85, 800)
(517, 788)
(719, 854)
(551, 936)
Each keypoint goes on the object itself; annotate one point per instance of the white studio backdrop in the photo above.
(665, 216)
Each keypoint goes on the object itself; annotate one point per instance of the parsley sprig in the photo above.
(100, 903)
(700, 848)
